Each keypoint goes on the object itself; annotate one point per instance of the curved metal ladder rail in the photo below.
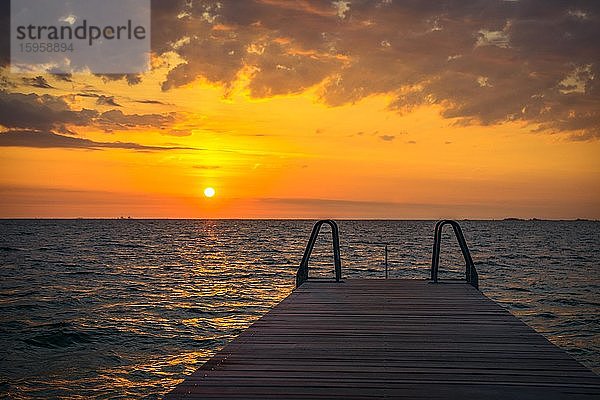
(470, 271)
(302, 274)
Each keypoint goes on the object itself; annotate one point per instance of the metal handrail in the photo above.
(302, 274)
(470, 271)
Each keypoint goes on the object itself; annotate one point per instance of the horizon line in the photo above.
(297, 219)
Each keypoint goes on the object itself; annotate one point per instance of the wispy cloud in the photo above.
(206, 166)
(336, 208)
(149, 101)
(45, 139)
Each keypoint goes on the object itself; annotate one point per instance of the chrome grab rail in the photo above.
(470, 271)
(302, 274)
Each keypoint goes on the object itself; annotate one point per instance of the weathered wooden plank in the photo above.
(389, 338)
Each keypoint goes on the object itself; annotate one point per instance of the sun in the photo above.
(209, 192)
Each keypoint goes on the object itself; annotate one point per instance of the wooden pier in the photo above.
(389, 338)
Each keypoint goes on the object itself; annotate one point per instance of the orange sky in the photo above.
(296, 148)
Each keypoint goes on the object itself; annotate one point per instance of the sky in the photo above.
(380, 109)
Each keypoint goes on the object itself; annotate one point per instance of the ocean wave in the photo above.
(546, 315)
(58, 335)
(8, 248)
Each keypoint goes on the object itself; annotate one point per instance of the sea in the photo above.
(127, 308)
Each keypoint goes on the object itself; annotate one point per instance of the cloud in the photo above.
(52, 113)
(107, 101)
(44, 139)
(104, 100)
(176, 132)
(206, 167)
(342, 7)
(31, 111)
(131, 79)
(5, 83)
(387, 138)
(63, 77)
(38, 81)
(21, 201)
(88, 93)
(147, 101)
(117, 119)
(314, 208)
(329, 204)
(336, 208)
(484, 62)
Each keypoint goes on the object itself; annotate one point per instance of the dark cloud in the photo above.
(281, 70)
(38, 81)
(5, 83)
(101, 100)
(51, 113)
(88, 93)
(217, 61)
(107, 101)
(485, 61)
(63, 77)
(45, 113)
(131, 79)
(387, 138)
(149, 102)
(114, 119)
(44, 139)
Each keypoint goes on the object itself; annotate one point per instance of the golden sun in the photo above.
(209, 192)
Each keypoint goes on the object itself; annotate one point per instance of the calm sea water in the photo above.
(128, 308)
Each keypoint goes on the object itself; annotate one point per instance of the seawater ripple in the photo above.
(128, 308)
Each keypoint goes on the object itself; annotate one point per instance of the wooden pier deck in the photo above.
(389, 338)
